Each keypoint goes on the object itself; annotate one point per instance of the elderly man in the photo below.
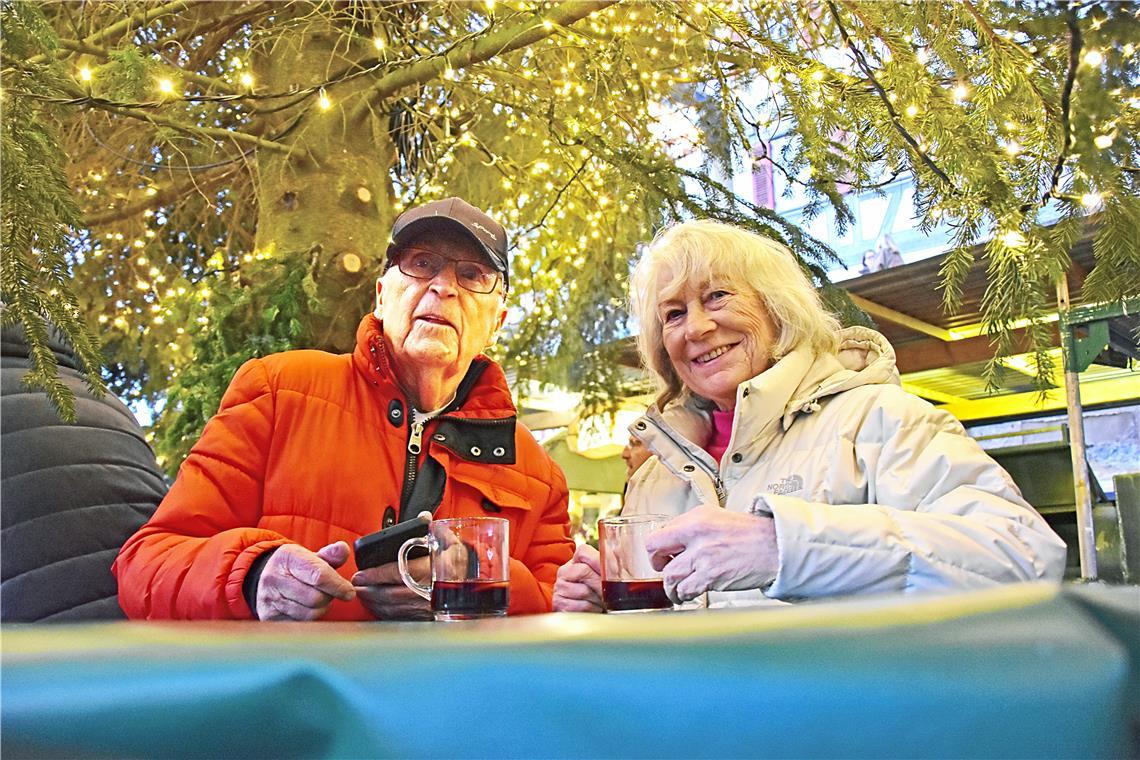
(309, 451)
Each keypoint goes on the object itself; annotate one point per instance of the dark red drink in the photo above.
(624, 596)
(458, 600)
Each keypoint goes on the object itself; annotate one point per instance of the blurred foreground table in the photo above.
(1021, 671)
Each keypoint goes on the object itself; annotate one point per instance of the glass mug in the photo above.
(629, 582)
(470, 567)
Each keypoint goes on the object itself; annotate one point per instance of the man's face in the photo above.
(634, 455)
(438, 322)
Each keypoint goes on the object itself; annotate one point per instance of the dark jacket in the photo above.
(70, 495)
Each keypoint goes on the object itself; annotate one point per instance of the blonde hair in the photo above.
(705, 251)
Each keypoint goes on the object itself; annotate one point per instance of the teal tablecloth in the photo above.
(1026, 671)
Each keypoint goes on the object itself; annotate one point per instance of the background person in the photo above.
(71, 493)
(309, 451)
(794, 463)
(634, 455)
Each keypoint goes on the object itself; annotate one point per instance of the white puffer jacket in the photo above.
(872, 489)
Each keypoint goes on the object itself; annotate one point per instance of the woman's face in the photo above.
(717, 336)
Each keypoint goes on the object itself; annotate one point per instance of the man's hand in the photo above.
(712, 549)
(384, 594)
(297, 584)
(579, 584)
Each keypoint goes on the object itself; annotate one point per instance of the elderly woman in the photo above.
(793, 463)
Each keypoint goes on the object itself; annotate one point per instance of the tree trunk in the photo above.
(329, 201)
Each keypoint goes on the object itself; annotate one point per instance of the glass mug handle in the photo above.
(402, 561)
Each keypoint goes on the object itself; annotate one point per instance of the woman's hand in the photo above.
(712, 549)
(579, 584)
(383, 593)
(298, 584)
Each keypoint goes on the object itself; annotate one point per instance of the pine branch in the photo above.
(81, 46)
(162, 196)
(143, 17)
(896, 120)
(1075, 44)
(218, 133)
(479, 49)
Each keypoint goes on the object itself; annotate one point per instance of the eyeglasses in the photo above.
(426, 265)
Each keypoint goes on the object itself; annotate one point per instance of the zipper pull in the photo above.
(416, 438)
(721, 491)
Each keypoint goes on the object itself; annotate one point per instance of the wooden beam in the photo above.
(926, 354)
(897, 317)
(932, 395)
(1092, 392)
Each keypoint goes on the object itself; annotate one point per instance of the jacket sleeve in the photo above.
(189, 560)
(532, 577)
(941, 515)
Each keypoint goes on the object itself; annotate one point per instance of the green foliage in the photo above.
(39, 210)
(580, 131)
(255, 316)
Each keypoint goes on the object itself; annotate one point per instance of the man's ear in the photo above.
(379, 296)
(498, 326)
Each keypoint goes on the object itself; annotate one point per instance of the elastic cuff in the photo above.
(252, 578)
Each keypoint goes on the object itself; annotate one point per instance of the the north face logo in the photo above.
(790, 484)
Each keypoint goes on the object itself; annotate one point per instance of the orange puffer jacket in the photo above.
(310, 448)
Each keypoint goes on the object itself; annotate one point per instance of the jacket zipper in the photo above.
(415, 446)
(718, 484)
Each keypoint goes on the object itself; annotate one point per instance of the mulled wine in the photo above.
(460, 600)
(627, 596)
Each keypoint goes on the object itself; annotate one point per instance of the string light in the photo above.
(1094, 57)
(378, 43)
(1091, 200)
(246, 79)
(961, 92)
(1013, 239)
(1102, 141)
(85, 74)
(323, 101)
(165, 86)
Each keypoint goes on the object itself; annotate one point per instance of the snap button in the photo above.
(640, 426)
(396, 412)
(499, 451)
(737, 457)
(689, 468)
(440, 437)
(476, 451)
(389, 517)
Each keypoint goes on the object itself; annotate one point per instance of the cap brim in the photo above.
(442, 223)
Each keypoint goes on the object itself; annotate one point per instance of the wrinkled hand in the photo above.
(384, 594)
(297, 584)
(712, 549)
(578, 587)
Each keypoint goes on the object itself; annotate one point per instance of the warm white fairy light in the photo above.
(961, 92)
(246, 79)
(166, 86)
(85, 74)
(378, 43)
(1094, 57)
(1013, 239)
(911, 110)
(323, 101)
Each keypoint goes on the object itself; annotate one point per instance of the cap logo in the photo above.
(478, 226)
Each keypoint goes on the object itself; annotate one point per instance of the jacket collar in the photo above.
(482, 394)
(792, 386)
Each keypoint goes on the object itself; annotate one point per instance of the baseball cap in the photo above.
(459, 216)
